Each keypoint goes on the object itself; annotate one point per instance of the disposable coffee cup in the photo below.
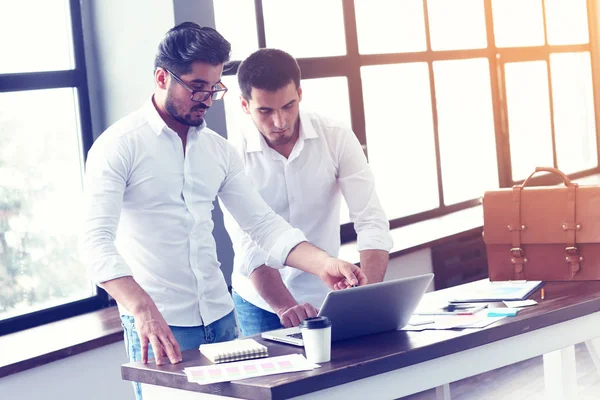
(316, 334)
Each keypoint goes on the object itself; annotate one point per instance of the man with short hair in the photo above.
(301, 163)
(151, 179)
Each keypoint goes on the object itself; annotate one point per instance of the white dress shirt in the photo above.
(305, 189)
(149, 214)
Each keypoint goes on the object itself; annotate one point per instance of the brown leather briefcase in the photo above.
(543, 233)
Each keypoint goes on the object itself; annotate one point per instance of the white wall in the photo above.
(93, 375)
(121, 39)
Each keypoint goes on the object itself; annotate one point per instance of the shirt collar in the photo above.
(256, 142)
(253, 139)
(157, 124)
(306, 127)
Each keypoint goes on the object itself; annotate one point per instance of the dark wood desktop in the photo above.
(371, 356)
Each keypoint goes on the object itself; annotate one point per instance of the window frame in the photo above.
(349, 66)
(75, 78)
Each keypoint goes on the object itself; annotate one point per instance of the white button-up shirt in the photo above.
(326, 162)
(149, 214)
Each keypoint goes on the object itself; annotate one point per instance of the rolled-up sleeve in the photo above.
(106, 174)
(358, 187)
(253, 256)
(273, 237)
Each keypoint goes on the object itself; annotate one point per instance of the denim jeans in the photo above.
(188, 337)
(253, 319)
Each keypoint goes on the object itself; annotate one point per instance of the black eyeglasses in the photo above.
(202, 95)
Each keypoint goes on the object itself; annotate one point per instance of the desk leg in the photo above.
(559, 374)
(443, 392)
(593, 347)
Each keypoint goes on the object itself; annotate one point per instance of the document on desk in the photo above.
(232, 371)
(475, 321)
(487, 291)
(524, 303)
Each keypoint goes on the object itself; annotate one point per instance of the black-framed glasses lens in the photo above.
(203, 95)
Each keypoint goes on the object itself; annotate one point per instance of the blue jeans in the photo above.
(253, 319)
(188, 337)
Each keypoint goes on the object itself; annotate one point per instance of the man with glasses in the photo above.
(302, 163)
(151, 179)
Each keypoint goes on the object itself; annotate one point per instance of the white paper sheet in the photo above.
(226, 372)
(523, 303)
(476, 321)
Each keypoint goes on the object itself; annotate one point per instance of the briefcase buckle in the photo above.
(517, 252)
(572, 251)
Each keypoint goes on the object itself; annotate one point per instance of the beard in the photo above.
(188, 118)
(280, 140)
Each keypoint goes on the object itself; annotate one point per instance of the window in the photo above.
(45, 133)
(448, 97)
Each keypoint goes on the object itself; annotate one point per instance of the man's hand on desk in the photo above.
(149, 323)
(152, 328)
(292, 316)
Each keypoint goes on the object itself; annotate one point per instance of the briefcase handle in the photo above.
(554, 171)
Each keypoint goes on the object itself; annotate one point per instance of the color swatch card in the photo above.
(248, 369)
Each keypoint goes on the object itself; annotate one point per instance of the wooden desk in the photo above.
(396, 364)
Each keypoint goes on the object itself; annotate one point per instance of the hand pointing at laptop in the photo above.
(297, 313)
(336, 273)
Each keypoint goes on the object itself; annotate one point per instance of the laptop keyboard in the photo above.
(295, 335)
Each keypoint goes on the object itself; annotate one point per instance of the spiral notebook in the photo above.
(234, 350)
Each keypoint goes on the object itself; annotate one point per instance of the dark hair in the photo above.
(267, 69)
(189, 42)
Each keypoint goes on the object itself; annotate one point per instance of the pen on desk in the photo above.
(464, 309)
(543, 294)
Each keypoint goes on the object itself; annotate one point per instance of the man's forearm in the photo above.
(336, 273)
(150, 325)
(270, 286)
(307, 258)
(374, 264)
(127, 292)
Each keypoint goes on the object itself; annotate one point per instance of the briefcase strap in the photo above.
(571, 227)
(554, 171)
(517, 255)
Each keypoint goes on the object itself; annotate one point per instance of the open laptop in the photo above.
(365, 310)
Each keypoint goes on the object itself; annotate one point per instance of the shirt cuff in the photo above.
(280, 250)
(374, 239)
(108, 269)
(254, 258)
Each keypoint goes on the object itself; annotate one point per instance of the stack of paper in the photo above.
(452, 309)
(523, 303)
(475, 321)
(485, 290)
